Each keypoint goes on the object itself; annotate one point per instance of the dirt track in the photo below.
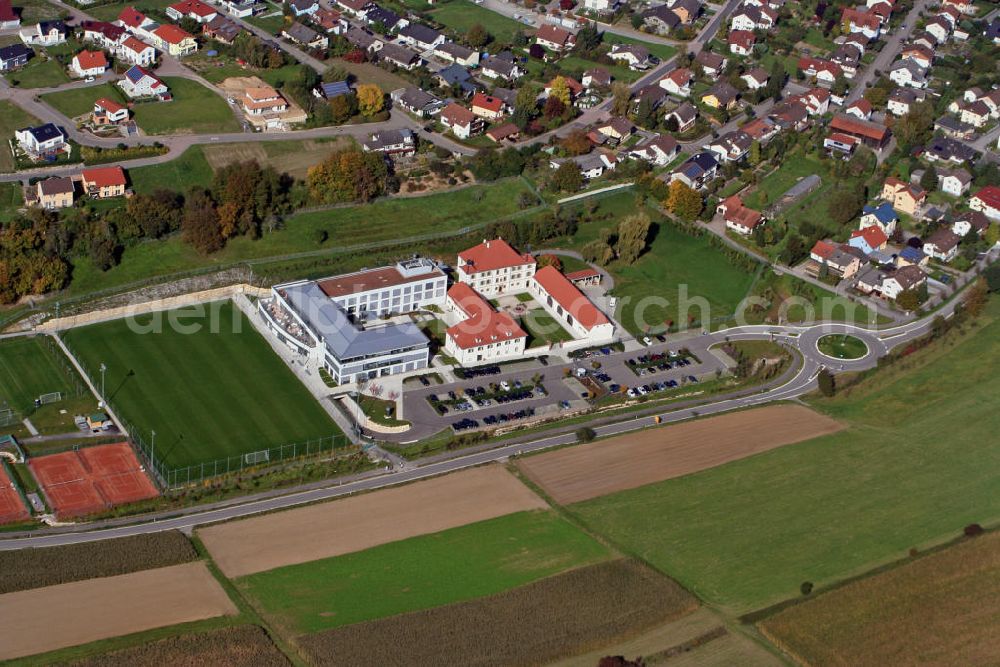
(364, 521)
(45, 619)
(625, 462)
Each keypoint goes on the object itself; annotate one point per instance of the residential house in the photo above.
(462, 55)
(456, 76)
(331, 89)
(873, 135)
(651, 94)
(924, 38)
(697, 171)
(816, 101)
(738, 217)
(938, 27)
(596, 78)
(756, 78)
(108, 112)
(388, 19)
(971, 221)
(174, 41)
(136, 52)
(55, 192)
(262, 101)
(837, 260)
(824, 71)
(685, 115)
(635, 56)
(356, 8)
(395, 143)
(400, 56)
(108, 35)
(240, 8)
(954, 182)
(992, 31)
(840, 142)
(901, 100)
(678, 82)
(760, 129)
(910, 256)
(9, 20)
(987, 201)
(222, 29)
(869, 239)
(303, 7)
(790, 116)
(752, 18)
(138, 83)
(943, 149)
(41, 140)
(417, 101)
(554, 38)
(89, 63)
(617, 129)
(330, 21)
(575, 87)
(363, 39)
(921, 55)
(731, 147)
(601, 6)
(882, 216)
(942, 245)
(660, 19)
(14, 56)
(489, 108)
(306, 36)
(868, 23)
(506, 132)
(904, 197)
(501, 68)
(952, 127)
(904, 279)
(420, 37)
(686, 10)
(741, 42)
(721, 96)
(712, 64)
(591, 166)
(964, 6)
(196, 10)
(908, 73)
(862, 109)
(977, 114)
(658, 150)
(462, 122)
(45, 34)
(848, 57)
(104, 182)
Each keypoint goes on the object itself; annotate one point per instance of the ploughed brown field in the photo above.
(54, 617)
(941, 609)
(367, 520)
(596, 469)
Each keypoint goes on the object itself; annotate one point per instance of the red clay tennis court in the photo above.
(11, 506)
(92, 479)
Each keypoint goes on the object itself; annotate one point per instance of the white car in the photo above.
(89, 79)
(505, 385)
(647, 340)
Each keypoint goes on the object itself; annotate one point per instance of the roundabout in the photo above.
(842, 347)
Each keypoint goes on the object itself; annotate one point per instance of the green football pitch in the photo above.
(30, 367)
(203, 379)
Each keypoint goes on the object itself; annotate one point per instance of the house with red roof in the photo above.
(862, 109)
(554, 38)
(192, 9)
(108, 112)
(9, 19)
(104, 182)
(174, 40)
(482, 334)
(866, 22)
(904, 197)
(824, 71)
(462, 122)
(488, 107)
(868, 240)
(741, 42)
(137, 52)
(836, 258)
(869, 133)
(569, 306)
(987, 202)
(89, 63)
(738, 217)
(494, 268)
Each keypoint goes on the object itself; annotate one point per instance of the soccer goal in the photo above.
(8, 416)
(52, 397)
(253, 458)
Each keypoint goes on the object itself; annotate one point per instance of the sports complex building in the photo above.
(327, 319)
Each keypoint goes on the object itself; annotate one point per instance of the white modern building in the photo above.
(406, 287)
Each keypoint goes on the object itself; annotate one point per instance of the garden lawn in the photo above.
(38, 73)
(270, 22)
(110, 12)
(10, 199)
(460, 15)
(190, 168)
(774, 185)
(542, 328)
(214, 392)
(917, 462)
(194, 110)
(79, 101)
(418, 573)
(662, 51)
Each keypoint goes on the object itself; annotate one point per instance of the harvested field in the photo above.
(34, 568)
(568, 613)
(940, 609)
(596, 469)
(364, 521)
(45, 619)
(291, 157)
(228, 647)
(91, 479)
(12, 508)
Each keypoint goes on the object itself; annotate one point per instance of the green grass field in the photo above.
(379, 221)
(460, 15)
(38, 73)
(207, 394)
(12, 118)
(542, 327)
(110, 12)
(662, 51)
(190, 168)
(917, 462)
(781, 180)
(418, 573)
(79, 101)
(195, 109)
(30, 367)
(11, 199)
(841, 346)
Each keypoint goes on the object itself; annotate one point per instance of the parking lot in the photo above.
(493, 396)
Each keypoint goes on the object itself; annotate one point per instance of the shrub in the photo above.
(585, 434)
(973, 530)
(806, 588)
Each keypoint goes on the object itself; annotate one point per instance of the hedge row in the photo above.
(34, 568)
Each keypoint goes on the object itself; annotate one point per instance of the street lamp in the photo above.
(103, 369)
(152, 451)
